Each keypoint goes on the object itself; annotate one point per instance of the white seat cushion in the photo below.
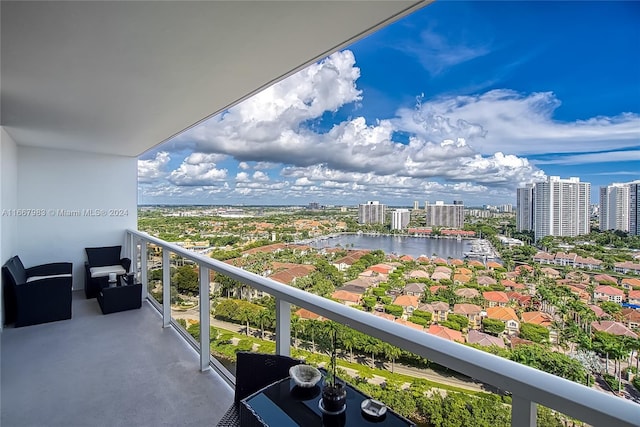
(34, 278)
(104, 271)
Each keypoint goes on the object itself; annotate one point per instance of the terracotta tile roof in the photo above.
(303, 313)
(439, 275)
(604, 278)
(466, 309)
(631, 281)
(409, 324)
(442, 269)
(496, 296)
(406, 258)
(462, 278)
(418, 274)
(523, 267)
(434, 306)
(456, 261)
(634, 294)
(600, 313)
(446, 333)
(362, 282)
(406, 301)
(385, 315)
(502, 313)
(537, 318)
(631, 315)
(543, 256)
(343, 295)
(614, 328)
(440, 261)
(415, 287)
(486, 281)
(464, 270)
(381, 268)
(467, 292)
(551, 272)
(436, 288)
(493, 264)
(475, 263)
(608, 290)
(477, 337)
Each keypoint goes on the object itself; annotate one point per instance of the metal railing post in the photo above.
(205, 318)
(166, 289)
(523, 412)
(283, 327)
(144, 269)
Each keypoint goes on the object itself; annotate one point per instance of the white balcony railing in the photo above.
(528, 386)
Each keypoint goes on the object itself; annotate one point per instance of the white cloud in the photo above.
(153, 169)
(198, 169)
(507, 121)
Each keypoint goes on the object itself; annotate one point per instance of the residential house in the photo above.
(439, 310)
(439, 275)
(435, 288)
(634, 297)
(418, 274)
(363, 282)
(543, 258)
(409, 324)
(305, 314)
(461, 279)
(608, 293)
(588, 263)
(347, 297)
(520, 270)
(414, 289)
(456, 262)
(519, 299)
(496, 298)
(464, 270)
(627, 267)
(440, 261)
(542, 319)
(470, 311)
(475, 264)
(486, 340)
(492, 265)
(351, 258)
(446, 333)
(630, 283)
(564, 259)
(408, 303)
(549, 272)
(510, 285)
(600, 313)
(583, 295)
(467, 293)
(605, 279)
(382, 268)
(406, 258)
(631, 318)
(508, 316)
(424, 259)
(486, 281)
(613, 327)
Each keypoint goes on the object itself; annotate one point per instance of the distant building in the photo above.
(561, 207)
(524, 208)
(443, 215)
(614, 207)
(416, 205)
(634, 208)
(371, 213)
(314, 206)
(400, 219)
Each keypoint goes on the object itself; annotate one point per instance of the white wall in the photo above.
(8, 201)
(68, 187)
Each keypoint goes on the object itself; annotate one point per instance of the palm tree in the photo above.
(297, 327)
(391, 352)
(245, 315)
(348, 342)
(373, 347)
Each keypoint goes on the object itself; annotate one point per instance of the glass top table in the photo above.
(282, 404)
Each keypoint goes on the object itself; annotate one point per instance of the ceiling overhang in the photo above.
(121, 77)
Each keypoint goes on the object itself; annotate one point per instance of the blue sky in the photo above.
(460, 100)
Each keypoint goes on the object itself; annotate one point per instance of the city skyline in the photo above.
(459, 101)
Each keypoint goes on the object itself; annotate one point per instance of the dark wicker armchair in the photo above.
(100, 263)
(255, 371)
(38, 294)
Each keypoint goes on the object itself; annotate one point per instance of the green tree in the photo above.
(492, 326)
(533, 332)
(186, 280)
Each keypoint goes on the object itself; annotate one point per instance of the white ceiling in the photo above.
(121, 77)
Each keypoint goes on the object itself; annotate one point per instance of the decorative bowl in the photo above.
(305, 376)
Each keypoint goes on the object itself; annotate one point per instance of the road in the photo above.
(452, 379)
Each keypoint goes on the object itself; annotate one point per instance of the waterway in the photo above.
(399, 245)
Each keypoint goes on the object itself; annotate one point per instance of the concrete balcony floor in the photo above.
(121, 369)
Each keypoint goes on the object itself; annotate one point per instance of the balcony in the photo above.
(127, 368)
